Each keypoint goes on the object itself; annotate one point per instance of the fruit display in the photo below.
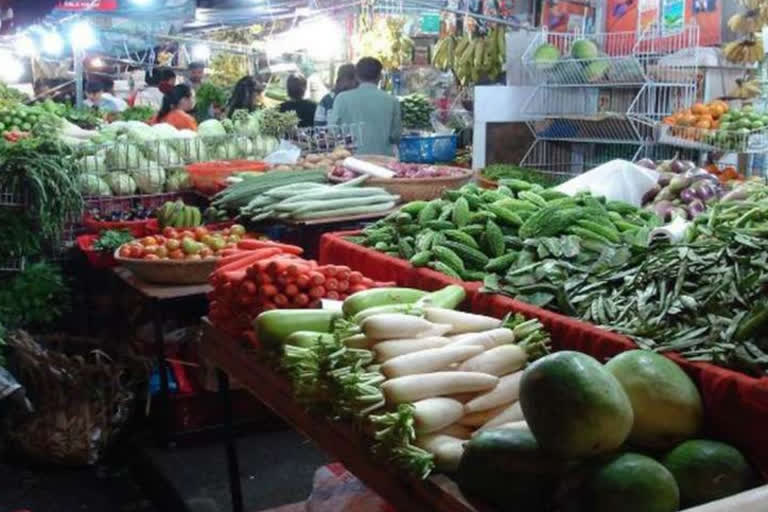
(384, 38)
(748, 49)
(683, 190)
(187, 244)
(585, 63)
(717, 124)
(176, 214)
(471, 58)
(416, 110)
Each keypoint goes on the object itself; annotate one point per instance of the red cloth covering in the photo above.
(736, 405)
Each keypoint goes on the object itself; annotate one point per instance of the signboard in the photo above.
(430, 23)
(87, 5)
(648, 14)
(672, 15)
(567, 17)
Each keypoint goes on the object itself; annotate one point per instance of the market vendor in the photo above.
(248, 95)
(195, 75)
(95, 97)
(296, 86)
(369, 106)
(346, 79)
(176, 104)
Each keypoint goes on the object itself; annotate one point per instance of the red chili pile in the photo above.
(261, 275)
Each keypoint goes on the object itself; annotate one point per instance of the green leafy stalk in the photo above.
(530, 335)
(395, 434)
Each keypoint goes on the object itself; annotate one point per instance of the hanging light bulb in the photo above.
(82, 35)
(11, 68)
(53, 44)
(201, 52)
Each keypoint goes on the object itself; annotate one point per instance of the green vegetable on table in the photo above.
(111, 239)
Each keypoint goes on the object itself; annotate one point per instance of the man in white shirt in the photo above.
(150, 96)
(109, 93)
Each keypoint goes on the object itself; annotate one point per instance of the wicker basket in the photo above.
(169, 271)
(81, 397)
(413, 189)
(486, 183)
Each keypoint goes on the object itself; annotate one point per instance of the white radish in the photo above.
(457, 430)
(461, 322)
(459, 337)
(502, 360)
(446, 449)
(358, 341)
(478, 419)
(488, 339)
(417, 387)
(390, 326)
(505, 392)
(464, 397)
(387, 350)
(427, 361)
(519, 425)
(433, 414)
(511, 414)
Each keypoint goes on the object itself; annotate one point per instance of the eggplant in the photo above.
(696, 208)
(688, 195)
(663, 209)
(651, 194)
(704, 190)
(678, 183)
(666, 165)
(646, 163)
(665, 178)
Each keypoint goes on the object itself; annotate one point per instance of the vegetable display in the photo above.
(186, 244)
(176, 214)
(112, 239)
(416, 111)
(497, 172)
(404, 170)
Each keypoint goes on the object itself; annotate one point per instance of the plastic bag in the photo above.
(286, 153)
(335, 489)
(617, 180)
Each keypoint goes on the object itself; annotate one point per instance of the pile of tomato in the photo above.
(184, 244)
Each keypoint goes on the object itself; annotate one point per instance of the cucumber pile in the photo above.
(416, 111)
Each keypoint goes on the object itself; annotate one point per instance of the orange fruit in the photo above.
(704, 124)
(699, 109)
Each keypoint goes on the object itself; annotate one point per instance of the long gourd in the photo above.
(341, 203)
(341, 212)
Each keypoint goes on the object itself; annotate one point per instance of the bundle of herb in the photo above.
(111, 239)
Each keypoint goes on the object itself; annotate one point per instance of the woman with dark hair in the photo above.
(346, 79)
(305, 109)
(176, 103)
(247, 95)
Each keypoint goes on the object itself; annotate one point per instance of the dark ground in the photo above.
(276, 469)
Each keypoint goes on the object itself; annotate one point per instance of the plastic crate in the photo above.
(97, 259)
(207, 177)
(138, 228)
(428, 150)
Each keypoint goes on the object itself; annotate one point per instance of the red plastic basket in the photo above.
(138, 228)
(97, 259)
(208, 177)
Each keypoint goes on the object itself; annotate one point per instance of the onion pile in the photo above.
(405, 170)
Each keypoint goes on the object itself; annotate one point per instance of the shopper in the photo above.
(95, 98)
(345, 81)
(176, 104)
(167, 80)
(248, 94)
(377, 111)
(195, 75)
(109, 93)
(305, 109)
(150, 95)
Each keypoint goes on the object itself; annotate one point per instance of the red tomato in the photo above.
(137, 251)
(126, 251)
(178, 254)
(148, 240)
(151, 249)
(224, 232)
(172, 244)
(151, 257)
(194, 257)
(206, 252)
(169, 232)
(160, 239)
(200, 232)
(162, 252)
(186, 234)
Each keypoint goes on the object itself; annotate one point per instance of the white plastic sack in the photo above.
(617, 180)
(674, 231)
(286, 153)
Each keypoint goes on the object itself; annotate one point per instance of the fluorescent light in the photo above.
(11, 68)
(53, 44)
(201, 52)
(24, 45)
(82, 35)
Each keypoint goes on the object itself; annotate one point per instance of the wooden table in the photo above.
(158, 296)
(339, 439)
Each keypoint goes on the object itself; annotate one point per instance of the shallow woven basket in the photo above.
(82, 398)
(169, 271)
(486, 183)
(413, 189)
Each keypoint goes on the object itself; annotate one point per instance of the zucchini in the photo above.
(620, 207)
(473, 275)
(515, 184)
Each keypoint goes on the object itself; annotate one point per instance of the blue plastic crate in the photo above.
(428, 150)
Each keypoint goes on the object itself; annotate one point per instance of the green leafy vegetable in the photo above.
(111, 239)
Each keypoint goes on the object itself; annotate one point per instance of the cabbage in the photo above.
(164, 131)
(150, 178)
(177, 181)
(246, 147)
(162, 153)
(211, 128)
(91, 185)
(249, 125)
(93, 163)
(266, 145)
(121, 183)
(125, 156)
(227, 151)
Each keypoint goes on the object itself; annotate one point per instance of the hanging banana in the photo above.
(471, 58)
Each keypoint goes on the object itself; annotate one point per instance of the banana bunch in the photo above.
(747, 22)
(744, 51)
(176, 214)
(746, 89)
(469, 59)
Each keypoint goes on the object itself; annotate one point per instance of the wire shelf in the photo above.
(321, 139)
(655, 102)
(622, 59)
(565, 160)
(741, 141)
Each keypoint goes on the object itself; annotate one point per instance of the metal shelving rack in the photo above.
(585, 112)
